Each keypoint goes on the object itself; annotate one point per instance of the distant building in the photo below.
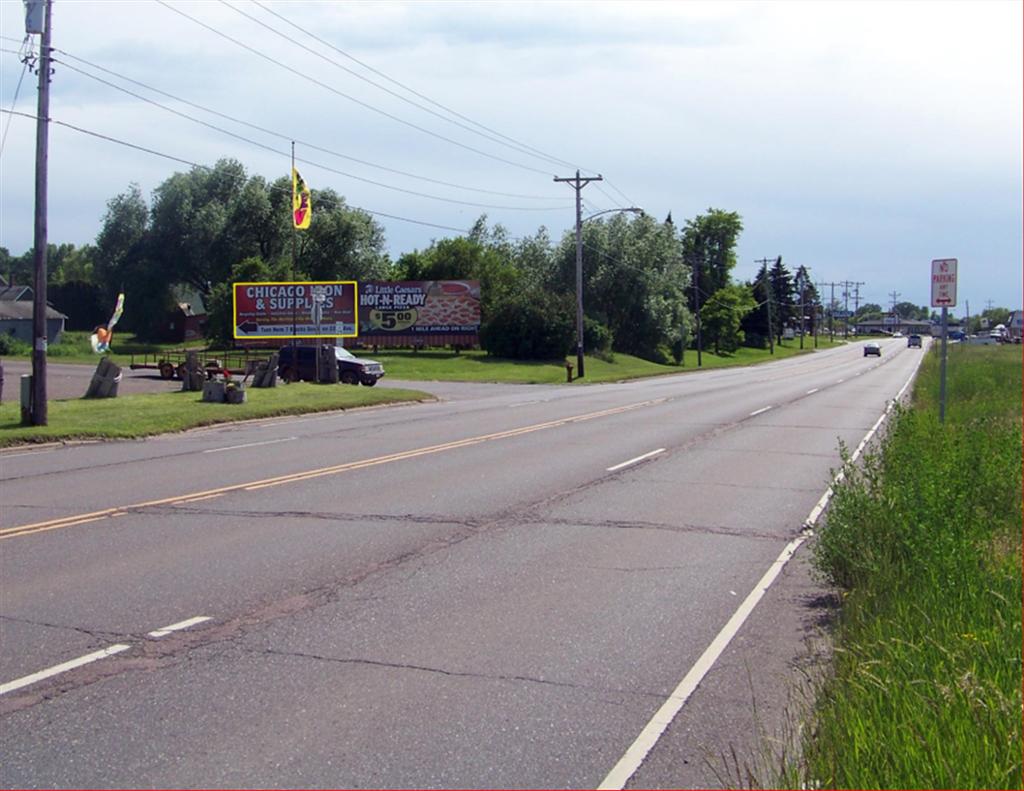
(16, 315)
(889, 325)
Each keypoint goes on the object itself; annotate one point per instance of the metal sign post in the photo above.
(319, 298)
(943, 296)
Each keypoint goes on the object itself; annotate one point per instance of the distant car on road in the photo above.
(914, 342)
(872, 347)
(301, 365)
(897, 334)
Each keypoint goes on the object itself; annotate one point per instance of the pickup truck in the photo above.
(301, 365)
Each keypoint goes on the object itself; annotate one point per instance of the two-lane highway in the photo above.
(497, 590)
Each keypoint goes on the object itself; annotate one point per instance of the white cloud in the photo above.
(849, 135)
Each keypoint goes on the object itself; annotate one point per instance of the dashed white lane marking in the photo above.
(250, 445)
(634, 461)
(63, 667)
(663, 717)
(760, 411)
(95, 656)
(812, 392)
(177, 627)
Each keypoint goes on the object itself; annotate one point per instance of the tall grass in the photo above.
(924, 540)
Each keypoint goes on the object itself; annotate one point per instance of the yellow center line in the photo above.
(295, 477)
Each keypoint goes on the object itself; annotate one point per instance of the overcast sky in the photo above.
(861, 140)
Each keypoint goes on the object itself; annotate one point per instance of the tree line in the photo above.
(644, 280)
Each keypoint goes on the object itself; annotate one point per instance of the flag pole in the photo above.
(295, 362)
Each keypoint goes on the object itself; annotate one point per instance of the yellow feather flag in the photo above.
(302, 205)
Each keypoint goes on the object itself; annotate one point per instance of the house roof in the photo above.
(21, 309)
(18, 293)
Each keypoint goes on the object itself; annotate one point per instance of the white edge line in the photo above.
(760, 411)
(652, 732)
(658, 724)
(250, 445)
(634, 461)
(177, 627)
(24, 681)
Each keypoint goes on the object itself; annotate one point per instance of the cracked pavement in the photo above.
(505, 614)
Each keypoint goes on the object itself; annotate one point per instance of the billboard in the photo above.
(319, 309)
(408, 311)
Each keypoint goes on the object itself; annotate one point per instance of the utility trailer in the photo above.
(171, 364)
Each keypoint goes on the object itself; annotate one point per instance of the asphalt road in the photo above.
(500, 589)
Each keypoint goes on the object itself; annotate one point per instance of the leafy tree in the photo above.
(219, 304)
(634, 282)
(757, 323)
(464, 258)
(722, 315)
(908, 310)
(805, 299)
(123, 260)
(709, 245)
(341, 243)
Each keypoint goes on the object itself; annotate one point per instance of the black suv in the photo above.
(914, 342)
(302, 365)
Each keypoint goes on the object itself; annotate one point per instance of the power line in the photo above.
(333, 90)
(417, 93)
(283, 136)
(514, 146)
(173, 158)
(305, 161)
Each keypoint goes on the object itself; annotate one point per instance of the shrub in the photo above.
(536, 326)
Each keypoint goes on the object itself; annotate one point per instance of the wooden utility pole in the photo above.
(578, 183)
(39, 340)
(768, 302)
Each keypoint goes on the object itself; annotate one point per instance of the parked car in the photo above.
(872, 347)
(914, 342)
(301, 365)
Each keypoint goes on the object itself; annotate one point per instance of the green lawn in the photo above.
(141, 415)
(477, 366)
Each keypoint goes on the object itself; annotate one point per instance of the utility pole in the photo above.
(695, 277)
(578, 183)
(768, 302)
(856, 294)
(38, 406)
(831, 309)
(893, 296)
(846, 308)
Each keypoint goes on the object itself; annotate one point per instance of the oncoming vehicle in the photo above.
(872, 347)
(302, 365)
(914, 342)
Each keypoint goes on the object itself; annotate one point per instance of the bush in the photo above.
(535, 326)
(12, 347)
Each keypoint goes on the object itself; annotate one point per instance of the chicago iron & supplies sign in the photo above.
(289, 310)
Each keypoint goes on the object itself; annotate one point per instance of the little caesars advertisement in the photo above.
(413, 309)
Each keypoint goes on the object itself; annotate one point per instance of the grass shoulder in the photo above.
(131, 416)
(923, 540)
